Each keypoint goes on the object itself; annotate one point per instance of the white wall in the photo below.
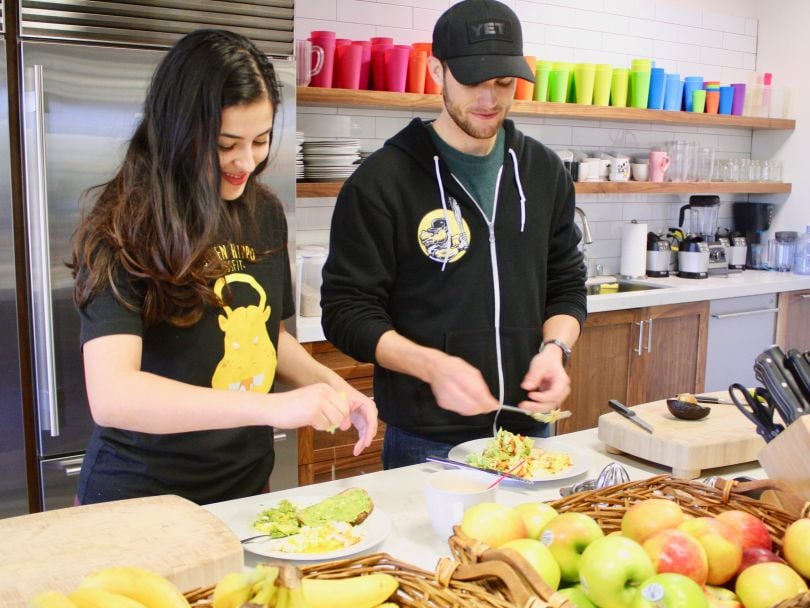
(717, 39)
(784, 48)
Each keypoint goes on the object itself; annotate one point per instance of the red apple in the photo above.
(678, 552)
(765, 585)
(757, 555)
(796, 546)
(492, 523)
(721, 544)
(649, 516)
(751, 529)
(539, 558)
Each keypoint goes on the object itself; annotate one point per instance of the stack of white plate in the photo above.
(330, 159)
(299, 155)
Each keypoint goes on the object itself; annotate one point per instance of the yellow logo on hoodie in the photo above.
(443, 234)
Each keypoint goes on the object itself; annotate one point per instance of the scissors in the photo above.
(756, 407)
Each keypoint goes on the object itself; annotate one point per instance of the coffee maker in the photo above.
(752, 219)
(703, 212)
(658, 255)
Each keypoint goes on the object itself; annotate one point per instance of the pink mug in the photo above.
(659, 163)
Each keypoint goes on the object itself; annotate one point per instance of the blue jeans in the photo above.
(401, 449)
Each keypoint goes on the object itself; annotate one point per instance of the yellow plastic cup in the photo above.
(641, 65)
(618, 87)
(584, 75)
(698, 100)
(558, 85)
(601, 84)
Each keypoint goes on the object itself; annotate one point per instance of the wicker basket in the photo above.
(452, 585)
(608, 505)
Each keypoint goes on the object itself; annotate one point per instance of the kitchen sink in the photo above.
(604, 288)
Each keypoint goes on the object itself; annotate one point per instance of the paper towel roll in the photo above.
(633, 263)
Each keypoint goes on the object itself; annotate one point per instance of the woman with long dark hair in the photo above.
(182, 281)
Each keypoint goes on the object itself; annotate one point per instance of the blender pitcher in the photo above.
(703, 212)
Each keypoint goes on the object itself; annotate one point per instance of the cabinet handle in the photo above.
(649, 336)
(745, 313)
(805, 296)
(640, 336)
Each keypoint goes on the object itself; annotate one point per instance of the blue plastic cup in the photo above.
(726, 97)
(673, 92)
(655, 100)
(690, 84)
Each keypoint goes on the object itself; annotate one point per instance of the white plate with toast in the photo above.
(373, 530)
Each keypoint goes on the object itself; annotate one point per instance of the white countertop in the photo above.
(675, 291)
(399, 493)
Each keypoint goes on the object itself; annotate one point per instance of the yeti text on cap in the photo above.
(489, 29)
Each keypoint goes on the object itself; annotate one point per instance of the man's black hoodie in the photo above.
(411, 251)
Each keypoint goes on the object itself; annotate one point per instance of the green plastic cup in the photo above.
(698, 100)
(601, 84)
(639, 89)
(558, 85)
(618, 87)
(641, 65)
(541, 78)
(584, 76)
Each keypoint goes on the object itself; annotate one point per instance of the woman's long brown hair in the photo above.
(151, 228)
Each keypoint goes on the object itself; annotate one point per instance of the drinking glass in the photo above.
(705, 164)
(756, 171)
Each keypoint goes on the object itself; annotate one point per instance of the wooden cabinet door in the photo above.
(673, 357)
(793, 321)
(599, 368)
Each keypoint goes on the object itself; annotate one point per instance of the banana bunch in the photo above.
(116, 587)
(282, 586)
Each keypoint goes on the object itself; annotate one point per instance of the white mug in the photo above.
(640, 171)
(620, 169)
(451, 492)
(304, 70)
(589, 169)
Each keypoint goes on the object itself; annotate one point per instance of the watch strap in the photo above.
(566, 350)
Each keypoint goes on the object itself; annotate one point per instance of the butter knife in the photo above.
(630, 415)
(464, 465)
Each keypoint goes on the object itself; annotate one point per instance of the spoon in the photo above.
(548, 417)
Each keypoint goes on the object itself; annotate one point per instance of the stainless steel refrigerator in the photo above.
(81, 104)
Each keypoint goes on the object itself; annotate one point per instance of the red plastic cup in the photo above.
(342, 41)
(326, 41)
(378, 66)
(365, 62)
(348, 58)
(382, 40)
(396, 67)
(417, 70)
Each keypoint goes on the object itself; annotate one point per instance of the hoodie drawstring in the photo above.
(444, 207)
(520, 190)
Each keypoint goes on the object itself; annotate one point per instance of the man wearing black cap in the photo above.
(453, 262)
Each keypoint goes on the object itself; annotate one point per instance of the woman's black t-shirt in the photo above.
(232, 348)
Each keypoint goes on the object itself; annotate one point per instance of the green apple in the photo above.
(796, 546)
(669, 590)
(539, 558)
(567, 535)
(765, 585)
(612, 568)
(492, 523)
(535, 516)
(576, 596)
(720, 597)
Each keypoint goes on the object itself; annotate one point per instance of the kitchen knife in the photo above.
(464, 465)
(708, 399)
(769, 368)
(630, 415)
(799, 365)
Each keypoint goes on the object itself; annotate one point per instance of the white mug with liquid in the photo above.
(451, 492)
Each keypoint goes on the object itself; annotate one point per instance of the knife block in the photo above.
(785, 457)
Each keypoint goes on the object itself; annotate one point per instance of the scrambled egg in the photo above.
(327, 537)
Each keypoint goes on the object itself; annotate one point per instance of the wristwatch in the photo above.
(566, 350)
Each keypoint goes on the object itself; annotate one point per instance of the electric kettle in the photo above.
(658, 255)
(693, 258)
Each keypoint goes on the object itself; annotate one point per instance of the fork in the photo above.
(548, 417)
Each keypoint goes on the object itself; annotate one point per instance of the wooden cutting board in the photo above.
(167, 534)
(723, 438)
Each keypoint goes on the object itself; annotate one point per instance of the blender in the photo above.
(703, 211)
(752, 220)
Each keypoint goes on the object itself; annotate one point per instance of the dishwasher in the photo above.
(739, 330)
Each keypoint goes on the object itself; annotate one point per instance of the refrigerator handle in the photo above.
(40, 255)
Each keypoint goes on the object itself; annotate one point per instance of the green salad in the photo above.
(505, 451)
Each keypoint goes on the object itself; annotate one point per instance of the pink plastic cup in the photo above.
(365, 62)
(396, 67)
(378, 65)
(382, 40)
(326, 41)
(347, 66)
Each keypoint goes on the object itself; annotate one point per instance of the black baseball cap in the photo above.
(481, 40)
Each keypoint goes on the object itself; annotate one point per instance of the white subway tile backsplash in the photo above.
(674, 14)
(358, 11)
(315, 9)
(424, 19)
(699, 36)
(643, 9)
(736, 42)
(566, 36)
(721, 57)
(633, 45)
(724, 23)
(386, 126)
(751, 27)
(676, 51)
(658, 30)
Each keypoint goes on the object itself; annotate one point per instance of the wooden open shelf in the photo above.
(413, 101)
(330, 189)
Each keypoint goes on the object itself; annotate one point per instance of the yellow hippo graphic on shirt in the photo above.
(249, 361)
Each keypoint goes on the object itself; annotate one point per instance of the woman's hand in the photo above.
(363, 416)
(317, 405)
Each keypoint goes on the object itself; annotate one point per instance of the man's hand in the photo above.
(459, 387)
(546, 382)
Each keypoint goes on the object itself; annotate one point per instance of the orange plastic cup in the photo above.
(712, 101)
(417, 70)
(524, 88)
(431, 88)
